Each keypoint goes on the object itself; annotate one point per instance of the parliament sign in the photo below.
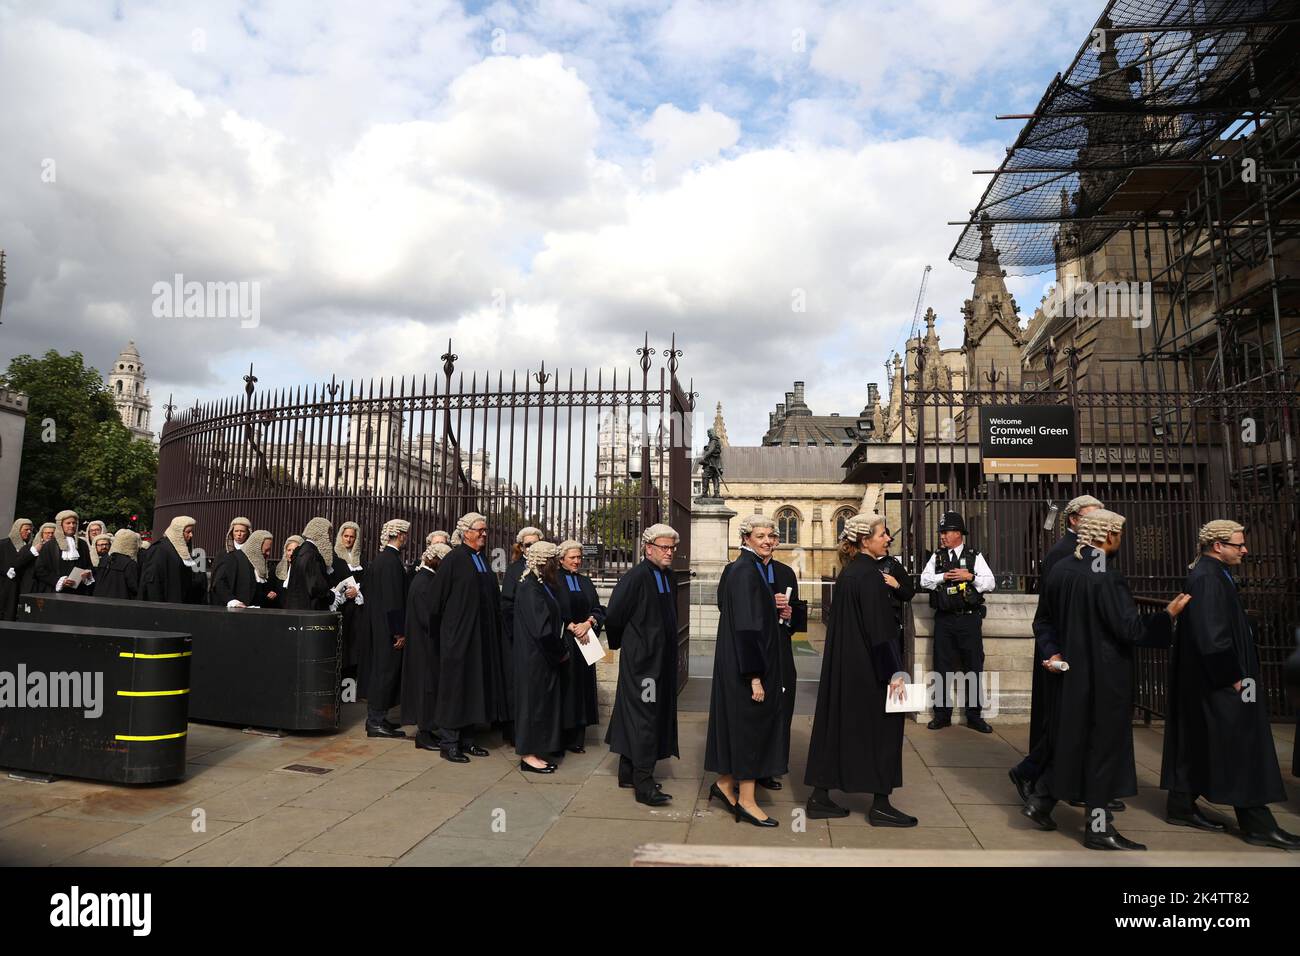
(1028, 440)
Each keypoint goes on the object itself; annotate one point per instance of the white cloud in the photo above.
(681, 139)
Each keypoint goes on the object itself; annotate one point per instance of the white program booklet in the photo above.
(592, 651)
(912, 703)
(79, 576)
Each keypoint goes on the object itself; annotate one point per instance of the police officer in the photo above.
(957, 578)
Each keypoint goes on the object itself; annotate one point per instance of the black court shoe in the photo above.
(743, 814)
(716, 791)
(526, 767)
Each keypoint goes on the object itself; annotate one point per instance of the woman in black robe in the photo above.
(744, 740)
(1218, 740)
(348, 563)
(583, 617)
(509, 583)
(172, 574)
(540, 657)
(16, 555)
(309, 588)
(856, 746)
(419, 680)
(280, 574)
(27, 577)
(119, 574)
(59, 555)
(792, 622)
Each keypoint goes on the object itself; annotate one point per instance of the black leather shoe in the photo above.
(1042, 818)
(1195, 819)
(656, 799)
(937, 724)
(454, 755)
(474, 750)
(979, 724)
(381, 730)
(743, 814)
(1111, 841)
(1023, 787)
(390, 724)
(893, 817)
(425, 741)
(629, 786)
(769, 783)
(526, 767)
(1115, 806)
(824, 811)
(577, 749)
(716, 791)
(1275, 837)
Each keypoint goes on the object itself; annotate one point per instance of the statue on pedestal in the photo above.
(711, 468)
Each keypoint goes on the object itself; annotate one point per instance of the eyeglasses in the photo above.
(664, 547)
(1233, 544)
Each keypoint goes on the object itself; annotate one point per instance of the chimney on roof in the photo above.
(798, 392)
(873, 394)
(780, 410)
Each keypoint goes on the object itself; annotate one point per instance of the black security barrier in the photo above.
(253, 667)
(93, 702)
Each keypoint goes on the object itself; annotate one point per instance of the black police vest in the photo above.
(955, 596)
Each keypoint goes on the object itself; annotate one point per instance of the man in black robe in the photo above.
(1090, 743)
(467, 606)
(172, 574)
(419, 655)
(119, 574)
(1218, 740)
(524, 539)
(15, 555)
(1046, 682)
(349, 563)
(856, 746)
(386, 604)
(745, 738)
(584, 617)
(59, 556)
(792, 619)
(642, 626)
(236, 535)
(309, 572)
(244, 579)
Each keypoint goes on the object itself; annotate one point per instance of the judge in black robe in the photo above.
(467, 606)
(348, 563)
(642, 626)
(27, 577)
(583, 616)
(244, 577)
(745, 738)
(385, 604)
(540, 656)
(1090, 741)
(16, 555)
(119, 574)
(419, 679)
(308, 588)
(236, 535)
(281, 572)
(856, 746)
(59, 556)
(172, 574)
(1218, 742)
(509, 583)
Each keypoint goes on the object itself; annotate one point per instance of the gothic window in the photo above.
(787, 525)
(119, 386)
(842, 516)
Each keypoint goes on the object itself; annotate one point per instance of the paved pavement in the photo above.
(385, 803)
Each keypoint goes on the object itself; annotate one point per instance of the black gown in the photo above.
(509, 585)
(50, 565)
(380, 680)
(419, 656)
(1045, 687)
(578, 602)
(783, 577)
(467, 605)
(540, 656)
(856, 747)
(167, 578)
(1217, 745)
(352, 614)
(236, 580)
(900, 596)
(746, 738)
(641, 624)
(1091, 736)
(18, 561)
(118, 576)
(309, 581)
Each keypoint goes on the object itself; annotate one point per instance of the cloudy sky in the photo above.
(532, 180)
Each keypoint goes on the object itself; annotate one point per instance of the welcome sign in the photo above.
(1028, 440)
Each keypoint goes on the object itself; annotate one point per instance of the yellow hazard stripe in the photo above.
(154, 657)
(157, 737)
(152, 693)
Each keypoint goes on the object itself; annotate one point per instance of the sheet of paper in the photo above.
(912, 703)
(81, 576)
(592, 651)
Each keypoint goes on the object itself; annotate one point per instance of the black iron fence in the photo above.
(596, 456)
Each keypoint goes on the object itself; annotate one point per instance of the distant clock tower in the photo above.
(126, 382)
